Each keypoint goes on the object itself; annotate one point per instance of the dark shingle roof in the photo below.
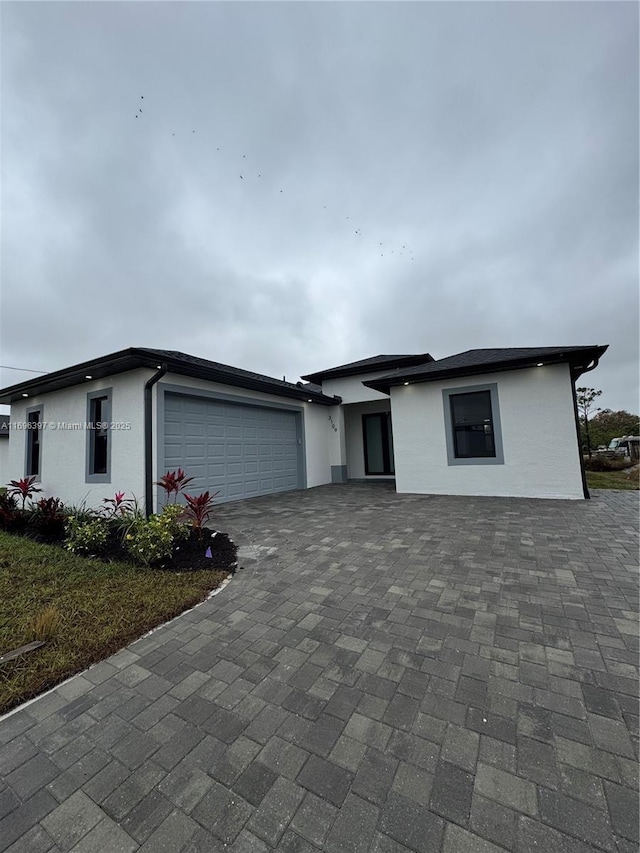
(176, 362)
(475, 361)
(369, 365)
(311, 386)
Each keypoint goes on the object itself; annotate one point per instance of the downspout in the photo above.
(574, 379)
(148, 438)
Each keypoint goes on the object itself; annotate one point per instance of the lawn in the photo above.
(612, 480)
(100, 608)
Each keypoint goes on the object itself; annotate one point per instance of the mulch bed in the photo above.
(193, 553)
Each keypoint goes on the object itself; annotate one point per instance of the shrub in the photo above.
(25, 488)
(605, 463)
(173, 515)
(10, 516)
(173, 482)
(118, 505)
(200, 508)
(49, 517)
(149, 541)
(86, 536)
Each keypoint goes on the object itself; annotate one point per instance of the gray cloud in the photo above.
(497, 143)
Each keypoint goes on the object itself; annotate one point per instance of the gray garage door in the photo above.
(239, 450)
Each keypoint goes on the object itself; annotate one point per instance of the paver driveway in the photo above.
(399, 673)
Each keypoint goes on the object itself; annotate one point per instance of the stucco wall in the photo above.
(538, 435)
(4, 458)
(355, 444)
(351, 389)
(63, 451)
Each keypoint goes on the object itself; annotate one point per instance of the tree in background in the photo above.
(586, 398)
(606, 425)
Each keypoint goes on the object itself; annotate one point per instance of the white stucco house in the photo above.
(482, 422)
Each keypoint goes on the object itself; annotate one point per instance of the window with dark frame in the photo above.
(33, 443)
(472, 425)
(99, 447)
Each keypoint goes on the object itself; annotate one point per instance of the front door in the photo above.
(378, 443)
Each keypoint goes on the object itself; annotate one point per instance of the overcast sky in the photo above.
(312, 183)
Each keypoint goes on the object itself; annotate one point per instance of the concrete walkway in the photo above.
(388, 673)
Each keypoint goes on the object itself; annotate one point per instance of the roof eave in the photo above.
(97, 368)
(341, 372)
(213, 375)
(578, 361)
(132, 359)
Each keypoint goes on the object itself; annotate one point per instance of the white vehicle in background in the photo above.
(624, 447)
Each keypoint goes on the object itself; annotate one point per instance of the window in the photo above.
(99, 437)
(472, 423)
(34, 437)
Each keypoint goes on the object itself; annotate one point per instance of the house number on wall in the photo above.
(333, 426)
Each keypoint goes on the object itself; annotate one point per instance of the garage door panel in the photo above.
(238, 450)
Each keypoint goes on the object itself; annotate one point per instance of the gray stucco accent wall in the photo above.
(338, 473)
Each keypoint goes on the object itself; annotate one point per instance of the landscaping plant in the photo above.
(117, 505)
(173, 515)
(49, 517)
(85, 536)
(173, 482)
(118, 530)
(10, 516)
(200, 508)
(24, 489)
(150, 541)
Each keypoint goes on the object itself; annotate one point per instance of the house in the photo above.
(482, 422)
(4, 447)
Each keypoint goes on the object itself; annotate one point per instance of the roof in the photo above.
(369, 365)
(475, 361)
(176, 362)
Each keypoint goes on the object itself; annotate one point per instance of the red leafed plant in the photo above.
(173, 482)
(49, 516)
(117, 505)
(24, 488)
(200, 508)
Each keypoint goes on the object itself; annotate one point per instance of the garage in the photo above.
(241, 450)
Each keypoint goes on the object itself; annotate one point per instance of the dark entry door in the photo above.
(378, 443)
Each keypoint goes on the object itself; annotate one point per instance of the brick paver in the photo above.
(386, 673)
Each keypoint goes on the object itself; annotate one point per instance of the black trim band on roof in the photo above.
(476, 362)
(180, 363)
(369, 365)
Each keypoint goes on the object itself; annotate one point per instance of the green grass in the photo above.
(100, 608)
(612, 480)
